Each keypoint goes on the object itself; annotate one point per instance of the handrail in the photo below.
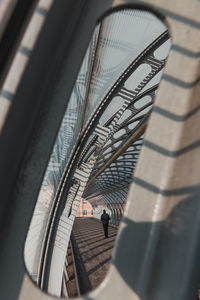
(75, 270)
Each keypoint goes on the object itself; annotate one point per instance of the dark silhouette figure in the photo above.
(105, 220)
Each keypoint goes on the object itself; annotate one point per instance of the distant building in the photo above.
(85, 209)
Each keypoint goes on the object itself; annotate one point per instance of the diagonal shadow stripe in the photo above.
(97, 254)
(178, 82)
(99, 266)
(25, 51)
(7, 95)
(100, 245)
(90, 237)
(174, 192)
(94, 241)
(88, 233)
(169, 153)
(42, 11)
(175, 117)
(185, 51)
(176, 16)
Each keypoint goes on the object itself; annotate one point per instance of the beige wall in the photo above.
(84, 206)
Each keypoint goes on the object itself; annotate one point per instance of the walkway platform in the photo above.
(92, 252)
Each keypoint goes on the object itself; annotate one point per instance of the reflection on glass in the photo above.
(100, 138)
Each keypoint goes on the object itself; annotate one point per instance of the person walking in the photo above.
(105, 221)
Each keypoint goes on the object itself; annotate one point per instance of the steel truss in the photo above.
(100, 163)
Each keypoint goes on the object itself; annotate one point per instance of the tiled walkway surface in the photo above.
(94, 249)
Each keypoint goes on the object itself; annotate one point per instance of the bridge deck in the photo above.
(92, 251)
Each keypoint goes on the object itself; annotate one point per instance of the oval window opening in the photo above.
(72, 234)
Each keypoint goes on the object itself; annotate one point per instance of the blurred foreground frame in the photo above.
(156, 256)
